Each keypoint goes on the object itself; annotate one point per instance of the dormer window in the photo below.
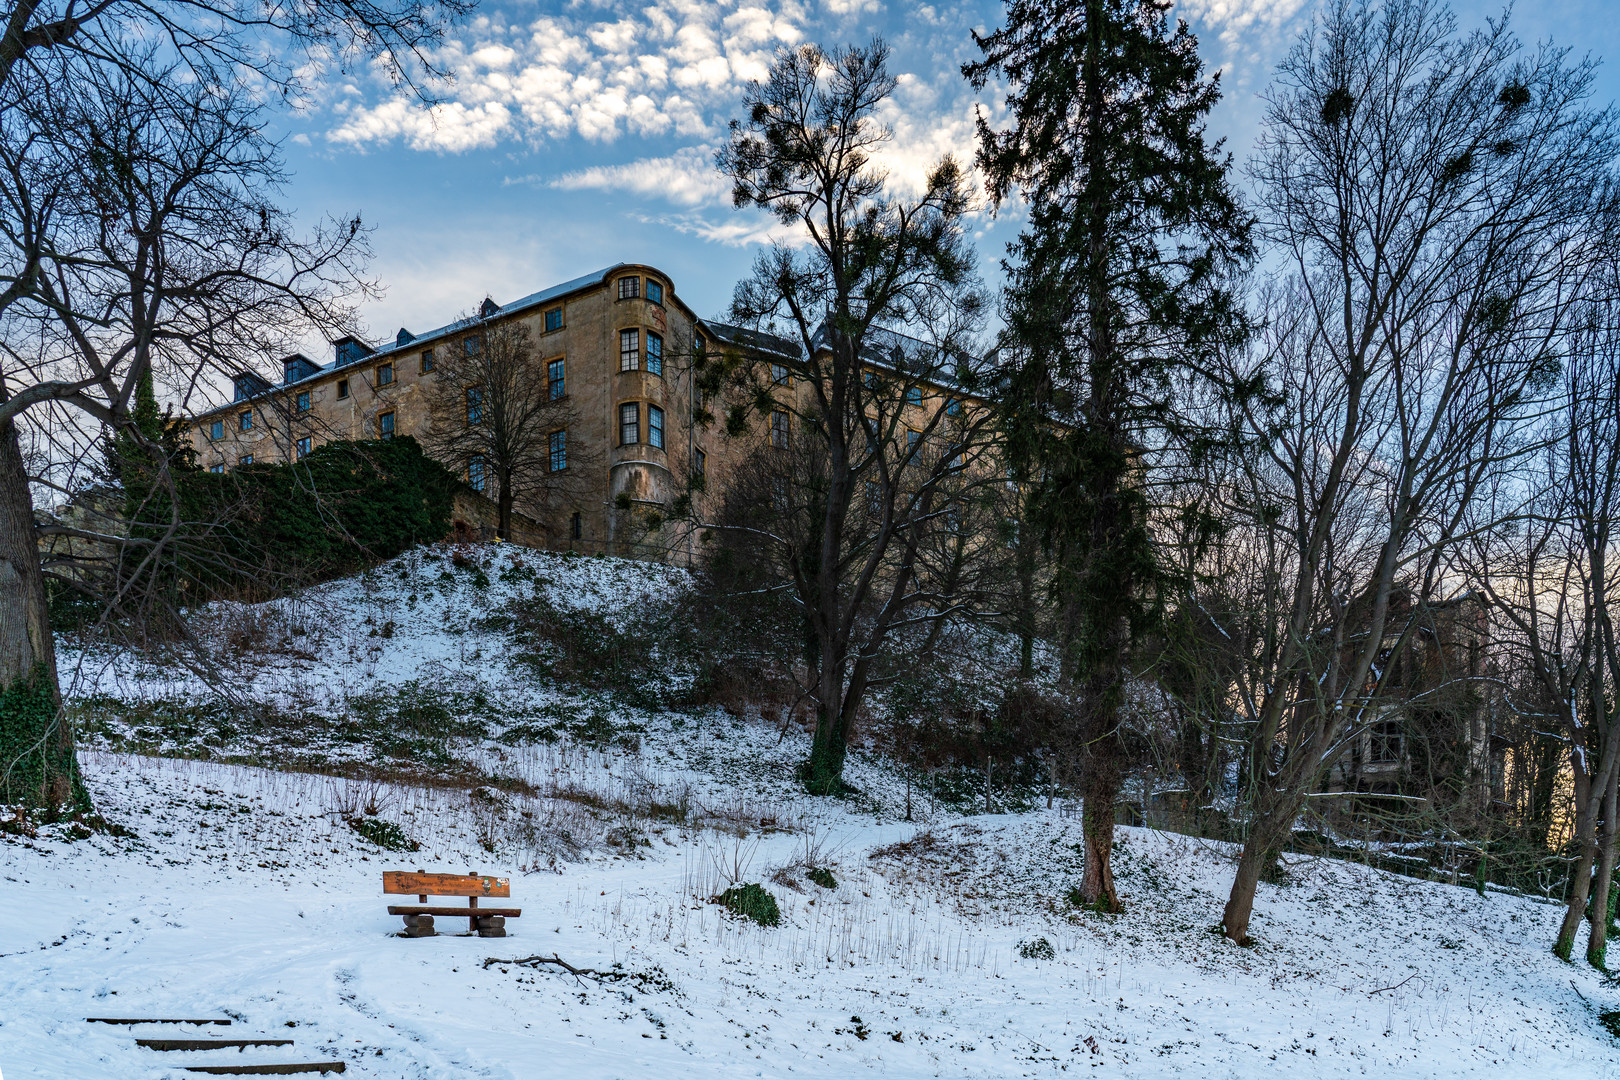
(655, 291)
(629, 288)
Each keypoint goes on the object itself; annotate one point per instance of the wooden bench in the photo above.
(485, 922)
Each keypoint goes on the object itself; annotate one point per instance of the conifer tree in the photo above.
(1115, 288)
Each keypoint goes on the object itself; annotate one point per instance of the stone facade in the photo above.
(619, 344)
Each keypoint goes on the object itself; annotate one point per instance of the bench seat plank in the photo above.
(476, 912)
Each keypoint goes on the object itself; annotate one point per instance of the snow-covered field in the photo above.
(246, 894)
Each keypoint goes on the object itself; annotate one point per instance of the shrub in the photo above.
(823, 877)
(344, 506)
(752, 902)
(1036, 949)
(385, 834)
(1611, 1021)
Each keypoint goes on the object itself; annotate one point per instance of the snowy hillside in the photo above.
(944, 947)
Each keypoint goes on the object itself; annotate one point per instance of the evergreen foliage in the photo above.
(751, 901)
(1116, 289)
(28, 713)
(243, 533)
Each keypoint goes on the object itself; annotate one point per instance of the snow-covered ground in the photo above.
(246, 894)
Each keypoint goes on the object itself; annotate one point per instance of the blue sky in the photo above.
(579, 134)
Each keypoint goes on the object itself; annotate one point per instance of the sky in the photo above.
(581, 133)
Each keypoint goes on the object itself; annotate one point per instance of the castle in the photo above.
(613, 349)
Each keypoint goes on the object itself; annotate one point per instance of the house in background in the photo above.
(1432, 742)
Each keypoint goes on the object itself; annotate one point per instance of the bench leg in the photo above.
(418, 926)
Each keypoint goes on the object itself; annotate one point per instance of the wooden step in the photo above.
(208, 1044)
(270, 1070)
(151, 1020)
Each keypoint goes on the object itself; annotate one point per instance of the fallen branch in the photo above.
(1397, 986)
(576, 972)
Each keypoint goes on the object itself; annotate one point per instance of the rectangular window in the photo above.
(556, 375)
(629, 288)
(953, 408)
(700, 463)
(779, 429)
(385, 375)
(218, 467)
(245, 421)
(699, 346)
(779, 375)
(475, 404)
(472, 346)
(304, 446)
(629, 424)
(655, 354)
(554, 319)
(576, 525)
(385, 426)
(912, 439)
(914, 396)
(475, 472)
(303, 401)
(559, 451)
(629, 350)
(343, 389)
(245, 459)
(216, 430)
(655, 426)
(1386, 742)
(427, 361)
(655, 291)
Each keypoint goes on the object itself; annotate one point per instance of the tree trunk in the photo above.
(1598, 917)
(1267, 832)
(37, 765)
(1100, 782)
(824, 772)
(1580, 882)
(503, 509)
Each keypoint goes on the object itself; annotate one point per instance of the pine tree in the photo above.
(1115, 288)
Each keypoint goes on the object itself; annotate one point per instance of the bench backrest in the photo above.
(403, 881)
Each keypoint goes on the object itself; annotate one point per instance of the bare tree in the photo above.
(142, 238)
(1435, 194)
(1553, 580)
(211, 37)
(497, 420)
(873, 427)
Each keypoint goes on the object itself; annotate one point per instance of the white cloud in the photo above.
(1243, 23)
(676, 66)
(686, 178)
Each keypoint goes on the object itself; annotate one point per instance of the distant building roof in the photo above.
(352, 357)
(754, 340)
